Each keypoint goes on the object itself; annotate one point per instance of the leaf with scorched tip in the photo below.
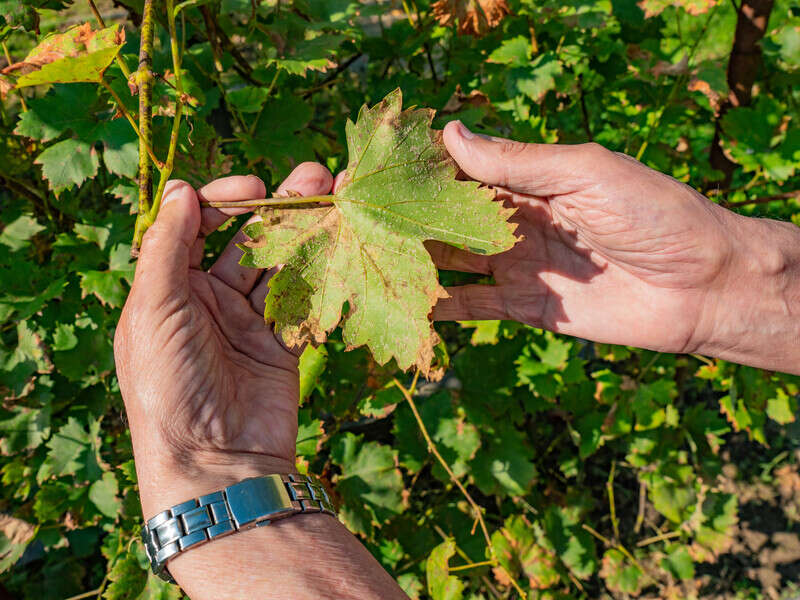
(366, 249)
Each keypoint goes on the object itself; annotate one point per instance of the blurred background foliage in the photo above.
(602, 471)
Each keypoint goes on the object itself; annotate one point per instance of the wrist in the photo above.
(753, 315)
(167, 478)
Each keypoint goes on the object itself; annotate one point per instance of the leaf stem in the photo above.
(611, 504)
(144, 80)
(100, 21)
(19, 91)
(130, 119)
(274, 201)
(483, 563)
(407, 394)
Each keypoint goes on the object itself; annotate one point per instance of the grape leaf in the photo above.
(442, 585)
(78, 54)
(366, 250)
(68, 162)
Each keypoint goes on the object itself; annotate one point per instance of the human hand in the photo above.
(616, 252)
(211, 394)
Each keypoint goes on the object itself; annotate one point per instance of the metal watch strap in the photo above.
(250, 503)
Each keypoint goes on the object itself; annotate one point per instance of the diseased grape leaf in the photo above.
(78, 54)
(653, 8)
(367, 250)
(442, 585)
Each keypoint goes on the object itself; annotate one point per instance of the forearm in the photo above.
(303, 556)
(754, 317)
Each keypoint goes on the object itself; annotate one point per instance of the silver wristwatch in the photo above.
(250, 503)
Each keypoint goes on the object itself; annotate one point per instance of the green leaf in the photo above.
(442, 585)
(64, 337)
(505, 464)
(67, 163)
(312, 365)
(73, 451)
(678, 562)
(572, 544)
(127, 579)
(537, 80)
(456, 439)
(26, 428)
(158, 589)
(514, 51)
(309, 54)
(370, 483)
(249, 99)
(309, 433)
(64, 108)
(620, 574)
(279, 138)
(411, 585)
(103, 493)
(17, 234)
(399, 190)
(95, 234)
(782, 408)
(106, 285)
(120, 147)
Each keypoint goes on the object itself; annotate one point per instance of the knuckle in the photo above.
(512, 149)
(595, 151)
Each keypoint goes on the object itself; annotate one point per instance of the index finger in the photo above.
(227, 189)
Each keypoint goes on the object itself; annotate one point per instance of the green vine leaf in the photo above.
(366, 250)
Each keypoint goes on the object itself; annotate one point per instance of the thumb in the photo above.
(535, 169)
(166, 248)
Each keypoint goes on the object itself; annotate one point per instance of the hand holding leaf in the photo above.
(366, 250)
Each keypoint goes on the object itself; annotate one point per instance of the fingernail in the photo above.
(465, 133)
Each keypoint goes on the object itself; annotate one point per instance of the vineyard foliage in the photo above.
(602, 471)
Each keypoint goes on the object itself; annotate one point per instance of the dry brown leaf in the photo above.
(474, 17)
(459, 100)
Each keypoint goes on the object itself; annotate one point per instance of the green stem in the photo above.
(121, 63)
(144, 77)
(130, 119)
(611, 504)
(166, 169)
(274, 201)
(484, 563)
(408, 395)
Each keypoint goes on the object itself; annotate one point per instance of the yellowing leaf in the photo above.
(474, 17)
(366, 250)
(442, 585)
(654, 8)
(79, 54)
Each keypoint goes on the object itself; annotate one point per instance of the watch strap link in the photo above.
(252, 502)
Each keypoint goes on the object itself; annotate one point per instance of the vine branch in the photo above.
(166, 169)
(144, 81)
(408, 395)
(743, 67)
